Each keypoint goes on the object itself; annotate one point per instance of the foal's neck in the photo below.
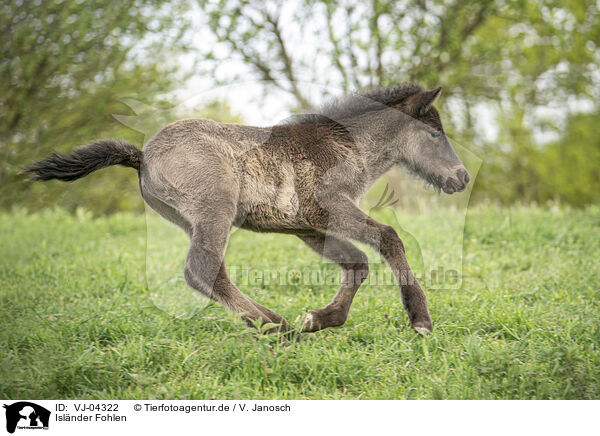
(378, 136)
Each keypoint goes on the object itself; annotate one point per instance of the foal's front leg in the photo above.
(355, 269)
(345, 219)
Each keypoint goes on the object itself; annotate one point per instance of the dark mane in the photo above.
(359, 103)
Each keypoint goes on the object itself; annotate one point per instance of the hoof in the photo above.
(323, 318)
(422, 331)
(307, 325)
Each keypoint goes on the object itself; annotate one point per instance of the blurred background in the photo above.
(521, 81)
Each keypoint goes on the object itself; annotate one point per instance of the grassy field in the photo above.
(82, 319)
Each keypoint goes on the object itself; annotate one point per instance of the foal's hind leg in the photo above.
(205, 272)
(355, 269)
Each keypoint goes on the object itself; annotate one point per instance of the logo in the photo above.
(26, 415)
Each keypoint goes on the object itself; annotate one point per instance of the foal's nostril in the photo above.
(463, 176)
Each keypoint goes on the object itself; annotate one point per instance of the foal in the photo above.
(304, 177)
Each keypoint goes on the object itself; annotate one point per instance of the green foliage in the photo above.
(519, 51)
(79, 322)
(569, 170)
(65, 67)
(565, 171)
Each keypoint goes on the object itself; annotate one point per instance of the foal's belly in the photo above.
(270, 217)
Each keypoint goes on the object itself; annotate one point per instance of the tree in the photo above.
(481, 48)
(64, 68)
(568, 170)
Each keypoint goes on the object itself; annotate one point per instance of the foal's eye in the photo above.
(435, 134)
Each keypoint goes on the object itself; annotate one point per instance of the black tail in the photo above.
(84, 160)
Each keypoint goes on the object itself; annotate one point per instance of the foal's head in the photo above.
(406, 122)
(425, 148)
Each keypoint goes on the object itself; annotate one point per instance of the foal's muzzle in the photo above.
(456, 183)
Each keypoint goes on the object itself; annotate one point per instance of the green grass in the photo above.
(80, 320)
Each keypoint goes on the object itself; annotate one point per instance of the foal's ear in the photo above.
(430, 98)
(424, 101)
